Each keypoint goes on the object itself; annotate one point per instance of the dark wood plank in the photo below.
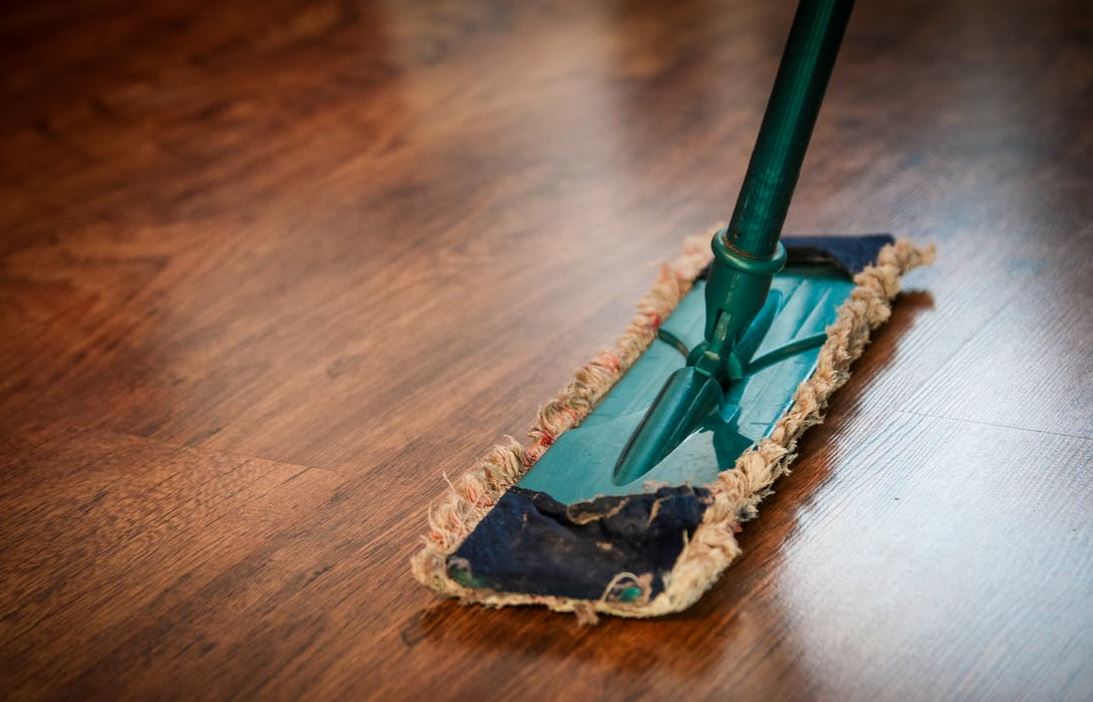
(269, 271)
(108, 537)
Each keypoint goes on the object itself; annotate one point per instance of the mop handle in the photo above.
(807, 61)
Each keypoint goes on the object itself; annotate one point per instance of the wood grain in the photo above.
(270, 270)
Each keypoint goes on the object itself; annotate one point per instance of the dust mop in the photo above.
(641, 470)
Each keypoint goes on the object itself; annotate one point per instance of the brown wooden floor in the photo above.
(270, 269)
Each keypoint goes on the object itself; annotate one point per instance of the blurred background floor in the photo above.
(268, 270)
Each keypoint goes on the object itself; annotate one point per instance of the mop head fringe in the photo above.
(736, 492)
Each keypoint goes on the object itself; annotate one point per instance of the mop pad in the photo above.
(654, 552)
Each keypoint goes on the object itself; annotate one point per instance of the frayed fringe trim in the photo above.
(737, 491)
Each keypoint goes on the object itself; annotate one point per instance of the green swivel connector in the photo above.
(736, 290)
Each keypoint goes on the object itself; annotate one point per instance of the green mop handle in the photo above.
(747, 252)
(787, 125)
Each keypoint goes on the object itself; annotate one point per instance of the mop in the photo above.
(639, 473)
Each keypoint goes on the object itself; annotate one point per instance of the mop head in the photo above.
(675, 541)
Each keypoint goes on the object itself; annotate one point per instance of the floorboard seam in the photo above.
(997, 425)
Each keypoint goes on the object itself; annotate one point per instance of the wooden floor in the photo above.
(269, 270)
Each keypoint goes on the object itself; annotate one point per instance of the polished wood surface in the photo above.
(268, 271)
